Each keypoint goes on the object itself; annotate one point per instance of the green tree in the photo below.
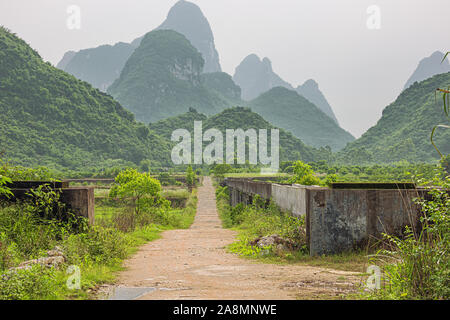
(304, 174)
(221, 169)
(138, 186)
(190, 176)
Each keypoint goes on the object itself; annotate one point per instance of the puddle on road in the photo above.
(129, 293)
(132, 293)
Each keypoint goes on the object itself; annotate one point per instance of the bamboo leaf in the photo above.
(432, 135)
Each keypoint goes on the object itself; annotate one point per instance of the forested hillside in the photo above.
(286, 109)
(222, 83)
(291, 148)
(403, 132)
(50, 118)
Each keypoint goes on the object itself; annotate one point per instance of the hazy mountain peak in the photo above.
(256, 76)
(99, 66)
(188, 19)
(102, 65)
(163, 77)
(253, 57)
(66, 59)
(267, 63)
(311, 83)
(310, 90)
(428, 67)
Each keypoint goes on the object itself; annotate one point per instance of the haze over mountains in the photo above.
(166, 78)
(101, 66)
(51, 118)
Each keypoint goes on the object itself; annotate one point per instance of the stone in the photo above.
(274, 240)
(49, 262)
(55, 259)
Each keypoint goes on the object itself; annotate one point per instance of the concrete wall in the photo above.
(243, 190)
(337, 220)
(341, 220)
(290, 198)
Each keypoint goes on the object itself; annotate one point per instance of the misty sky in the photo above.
(359, 70)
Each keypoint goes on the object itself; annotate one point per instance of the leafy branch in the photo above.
(445, 98)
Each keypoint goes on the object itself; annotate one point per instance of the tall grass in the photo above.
(418, 266)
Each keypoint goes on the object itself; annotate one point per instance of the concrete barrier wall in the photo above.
(290, 198)
(342, 220)
(263, 189)
(337, 220)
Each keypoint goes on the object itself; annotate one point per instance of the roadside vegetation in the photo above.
(40, 226)
(418, 265)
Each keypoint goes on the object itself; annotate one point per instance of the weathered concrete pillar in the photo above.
(81, 200)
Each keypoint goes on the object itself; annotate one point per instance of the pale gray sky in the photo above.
(360, 71)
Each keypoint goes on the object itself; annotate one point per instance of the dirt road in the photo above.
(193, 264)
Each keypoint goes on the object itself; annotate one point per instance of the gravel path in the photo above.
(193, 264)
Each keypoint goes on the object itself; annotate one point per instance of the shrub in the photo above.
(31, 234)
(38, 282)
(303, 174)
(259, 220)
(4, 190)
(100, 245)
